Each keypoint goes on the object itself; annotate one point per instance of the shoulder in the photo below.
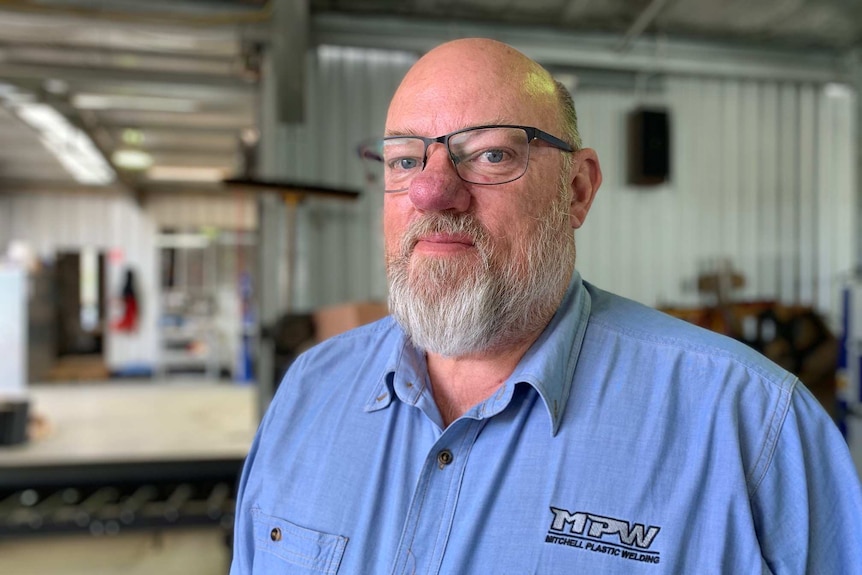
(363, 353)
(338, 374)
(366, 350)
(369, 342)
(647, 330)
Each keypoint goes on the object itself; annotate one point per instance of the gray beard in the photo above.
(459, 306)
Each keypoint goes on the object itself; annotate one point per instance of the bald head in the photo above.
(490, 60)
(504, 84)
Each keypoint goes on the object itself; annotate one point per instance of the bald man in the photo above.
(511, 418)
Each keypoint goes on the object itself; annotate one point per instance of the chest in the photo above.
(502, 495)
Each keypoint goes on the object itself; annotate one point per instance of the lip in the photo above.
(442, 242)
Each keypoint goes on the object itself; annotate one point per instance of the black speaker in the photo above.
(649, 147)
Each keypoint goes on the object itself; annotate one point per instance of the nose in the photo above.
(438, 187)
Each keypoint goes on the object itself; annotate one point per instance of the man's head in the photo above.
(473, 267)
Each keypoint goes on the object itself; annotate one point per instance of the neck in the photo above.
(459, 383)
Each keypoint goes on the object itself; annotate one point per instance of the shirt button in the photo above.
(275, 534)
(444, 458)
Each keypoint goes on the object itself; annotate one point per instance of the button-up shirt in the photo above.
(625, 441)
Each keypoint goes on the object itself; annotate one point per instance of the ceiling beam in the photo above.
(128, 77)
(197, 13)
(30, 186)
(25, 52)
(644, 19)
(116, 127)
(565, 49)
(289, 46)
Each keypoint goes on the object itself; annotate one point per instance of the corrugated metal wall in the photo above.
(189, 212)
(4, 224)
(110, 223)
(338, 244)
(763, 177)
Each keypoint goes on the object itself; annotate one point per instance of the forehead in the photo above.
(444, 93)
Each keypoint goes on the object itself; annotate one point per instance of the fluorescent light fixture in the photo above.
(130, 159)
(56, 86)
(836, 90)
(86, 101)
(70, 145)
(182, 241)
(186, 173)
(7, 90)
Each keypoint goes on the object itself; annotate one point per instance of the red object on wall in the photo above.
(131, 310)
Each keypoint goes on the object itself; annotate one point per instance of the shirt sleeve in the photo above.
(253, 473)
(243, 533)
(808, 504)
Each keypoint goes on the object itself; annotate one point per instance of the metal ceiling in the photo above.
(179, 79)
(833, 24)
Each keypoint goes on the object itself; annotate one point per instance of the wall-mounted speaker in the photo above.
(649, 147)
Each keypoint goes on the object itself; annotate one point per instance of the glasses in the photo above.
(484, 155)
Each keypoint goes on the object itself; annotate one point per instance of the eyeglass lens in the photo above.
(482, 156)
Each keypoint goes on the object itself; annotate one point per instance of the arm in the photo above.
(243, 535)
(808, 504)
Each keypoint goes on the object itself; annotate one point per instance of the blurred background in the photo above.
(183, 211)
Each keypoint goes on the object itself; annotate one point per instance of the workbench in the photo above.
(113, 456)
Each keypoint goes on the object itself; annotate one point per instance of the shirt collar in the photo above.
(548, 366)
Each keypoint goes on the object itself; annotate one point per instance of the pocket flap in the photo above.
(315, 551)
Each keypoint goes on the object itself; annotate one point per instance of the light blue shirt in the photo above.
(624, 442)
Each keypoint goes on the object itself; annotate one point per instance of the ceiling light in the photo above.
(250, 136)
(86, 101)
(70, 145)
(131, 159)
(836, 90)
(56, 86)
(133, 137)
(182, 241)
(186, 173)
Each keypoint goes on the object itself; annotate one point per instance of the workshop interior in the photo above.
(183, 212)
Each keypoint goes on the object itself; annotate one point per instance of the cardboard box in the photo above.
(332, 320)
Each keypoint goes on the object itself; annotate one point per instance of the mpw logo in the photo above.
(600, 534)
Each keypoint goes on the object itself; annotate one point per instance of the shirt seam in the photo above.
(710, 351)
(770, 443)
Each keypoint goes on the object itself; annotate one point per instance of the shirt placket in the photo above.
(435, 499)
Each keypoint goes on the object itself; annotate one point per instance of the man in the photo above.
(511, 418)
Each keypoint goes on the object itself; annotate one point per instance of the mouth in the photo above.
(443, 243)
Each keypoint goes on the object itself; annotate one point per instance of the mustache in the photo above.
(445, 223)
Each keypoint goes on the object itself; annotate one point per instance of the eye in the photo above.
(493, 156)
(489, 157)
(403, 164)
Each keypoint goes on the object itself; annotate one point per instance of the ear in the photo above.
(586, 178)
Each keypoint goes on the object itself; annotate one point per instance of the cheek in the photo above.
(394, 223)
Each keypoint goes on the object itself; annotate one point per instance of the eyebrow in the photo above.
(409, 132)
(397, 133)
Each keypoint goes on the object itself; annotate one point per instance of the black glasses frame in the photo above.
(373, 150)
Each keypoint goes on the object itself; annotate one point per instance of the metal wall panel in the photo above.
(762, 178)
(338, 249)
(51, 222)
(4, 223)
(190, 212)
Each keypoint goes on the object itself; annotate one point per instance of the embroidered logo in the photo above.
(607, 535)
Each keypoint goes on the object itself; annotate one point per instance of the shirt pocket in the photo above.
(284, 547)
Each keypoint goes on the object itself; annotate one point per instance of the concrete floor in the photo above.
(145, 421)
(193, 551)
